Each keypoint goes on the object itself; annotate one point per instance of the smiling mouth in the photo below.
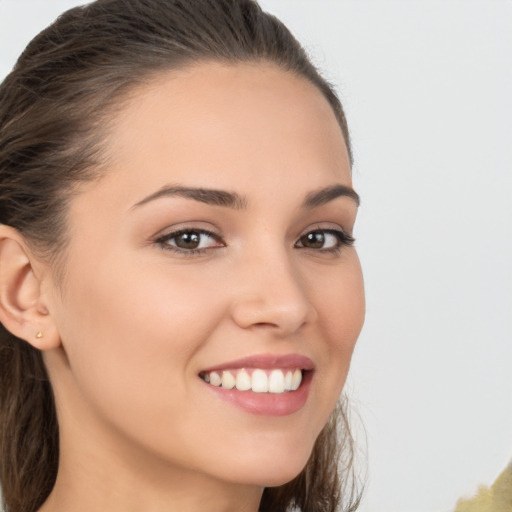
(257, 380)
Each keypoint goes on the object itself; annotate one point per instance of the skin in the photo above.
(133, 323)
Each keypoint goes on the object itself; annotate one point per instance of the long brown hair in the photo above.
(55, 109)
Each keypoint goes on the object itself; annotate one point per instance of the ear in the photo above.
(23, 308)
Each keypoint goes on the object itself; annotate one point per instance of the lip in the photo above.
(266, 404)
(266, 362)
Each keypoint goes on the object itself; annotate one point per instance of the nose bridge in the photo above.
(271, 292)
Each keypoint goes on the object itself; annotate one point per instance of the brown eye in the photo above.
(188, 240)
(313, 240)
(327, 240)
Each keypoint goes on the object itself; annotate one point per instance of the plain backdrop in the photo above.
(427, 87)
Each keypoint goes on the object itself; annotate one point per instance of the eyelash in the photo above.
(343, 240)
(162, 241)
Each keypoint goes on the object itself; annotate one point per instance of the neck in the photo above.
(88, 480)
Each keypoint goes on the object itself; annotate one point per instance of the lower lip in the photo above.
(266, 404)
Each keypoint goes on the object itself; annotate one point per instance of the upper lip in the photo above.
(266, 361)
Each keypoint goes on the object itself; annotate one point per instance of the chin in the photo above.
(272, 478)
(282, 478)
(277, 469)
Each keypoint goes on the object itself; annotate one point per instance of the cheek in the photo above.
(134, 334)
(130, 339)
(341, 306)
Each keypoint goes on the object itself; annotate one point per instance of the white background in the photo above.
(427, 87)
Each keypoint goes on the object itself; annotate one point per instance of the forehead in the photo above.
(215, 125)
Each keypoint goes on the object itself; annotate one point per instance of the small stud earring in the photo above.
(39, 335)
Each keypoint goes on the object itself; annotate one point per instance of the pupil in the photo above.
(188, 240)
(315, 240)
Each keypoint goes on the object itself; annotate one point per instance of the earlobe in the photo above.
(22, 308)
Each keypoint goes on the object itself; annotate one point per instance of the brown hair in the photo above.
(55, 109)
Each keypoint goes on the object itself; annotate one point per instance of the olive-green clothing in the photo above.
(497, 498)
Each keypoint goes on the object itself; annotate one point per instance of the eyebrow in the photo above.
(236, 201)
(327, 194)
(203, 195)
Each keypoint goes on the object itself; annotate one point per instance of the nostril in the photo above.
(287, 316)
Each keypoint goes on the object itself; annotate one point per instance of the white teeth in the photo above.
(215, 379)
(260, 381)
(288, 380)
(243, 381)
(296, 379)
(276, 382)
(228, 381)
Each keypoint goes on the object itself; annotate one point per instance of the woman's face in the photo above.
(215, 247)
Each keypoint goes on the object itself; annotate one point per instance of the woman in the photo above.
(179, 291)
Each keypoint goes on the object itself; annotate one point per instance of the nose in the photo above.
(271, 294)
